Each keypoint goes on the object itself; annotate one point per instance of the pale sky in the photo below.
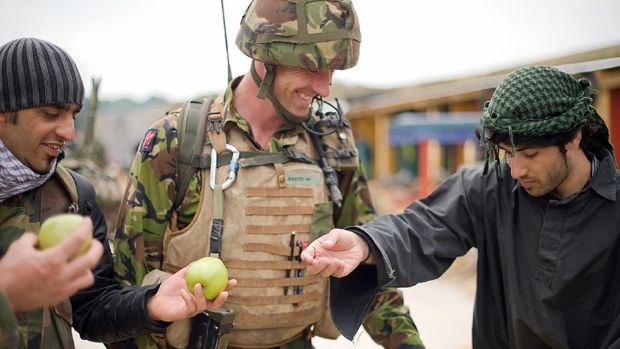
(175, 48)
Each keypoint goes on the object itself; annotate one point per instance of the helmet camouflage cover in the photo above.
(311, 34)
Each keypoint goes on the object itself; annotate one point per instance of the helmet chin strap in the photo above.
(265, 89)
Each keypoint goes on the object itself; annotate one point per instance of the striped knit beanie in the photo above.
(34, 73)
(539, 101)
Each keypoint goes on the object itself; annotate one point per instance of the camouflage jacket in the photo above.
(9, 332)
(47, 327)
(148, 204)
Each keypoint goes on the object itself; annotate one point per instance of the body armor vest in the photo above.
(274, 300)
(48, 327)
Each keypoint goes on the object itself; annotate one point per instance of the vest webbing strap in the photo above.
(269, 248)
(274, 300)
(245, 321)
(333, 123)
(250, 158)
(279, 192)
(278, 210)
(215, 127)
(217, 226)
(278, 229)
(341, 154)
(277, 282)
(64, 334)
(86, 197)
(266, 265)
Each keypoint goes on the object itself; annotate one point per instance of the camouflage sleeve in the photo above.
(357, 206)
(147, 204)
(9, 333)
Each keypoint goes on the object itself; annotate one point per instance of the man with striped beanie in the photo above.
(41, 92)
(545, 225)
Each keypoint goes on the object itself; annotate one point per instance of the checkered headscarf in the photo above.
(17, 178)
(540, 101)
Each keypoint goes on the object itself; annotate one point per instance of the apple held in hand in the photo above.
(58, 227)
(210, 273)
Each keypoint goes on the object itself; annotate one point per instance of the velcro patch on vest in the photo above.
(309, 178)
(149, 140)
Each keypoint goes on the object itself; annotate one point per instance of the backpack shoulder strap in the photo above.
(190, 138)
(84, 191)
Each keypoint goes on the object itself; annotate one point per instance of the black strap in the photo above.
(190, 138)
(252, 158)
(85, 192)
(332, 123)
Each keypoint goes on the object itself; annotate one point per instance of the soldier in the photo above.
(259, 219)
(40, 93)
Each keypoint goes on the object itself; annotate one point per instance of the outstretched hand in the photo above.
(173, 301)
(336, 253)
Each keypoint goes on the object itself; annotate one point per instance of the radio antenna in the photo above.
(226, 42)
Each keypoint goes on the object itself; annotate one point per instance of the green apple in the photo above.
(58, 227)
(210, 273)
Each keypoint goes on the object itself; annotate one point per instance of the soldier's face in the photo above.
(294, 88)
(36, 136)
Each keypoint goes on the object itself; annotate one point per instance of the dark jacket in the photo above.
(106, 312)
(547, 272)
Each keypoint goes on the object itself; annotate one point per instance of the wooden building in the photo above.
(428, 130)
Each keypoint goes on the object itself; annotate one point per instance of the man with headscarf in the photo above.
(41, 92)
(544, 221)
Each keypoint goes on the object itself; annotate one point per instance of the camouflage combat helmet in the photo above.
(311, 34)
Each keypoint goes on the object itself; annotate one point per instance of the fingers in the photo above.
(218, 301)
(327, 243)
(317, 265)
(199, 299)
(69, 246)
(307, 255)
(183, 271)
(331, 267)
(326, 267)
(198, 291)
(232, 283)
(78, 272)
(320, 246)
(222, 297)
(191, 302)
(85, 280)
(28, 239)
(85, 262)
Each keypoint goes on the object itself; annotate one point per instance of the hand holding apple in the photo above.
(173, 301)
(57, 228)
(210, 273)
(34, 278)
